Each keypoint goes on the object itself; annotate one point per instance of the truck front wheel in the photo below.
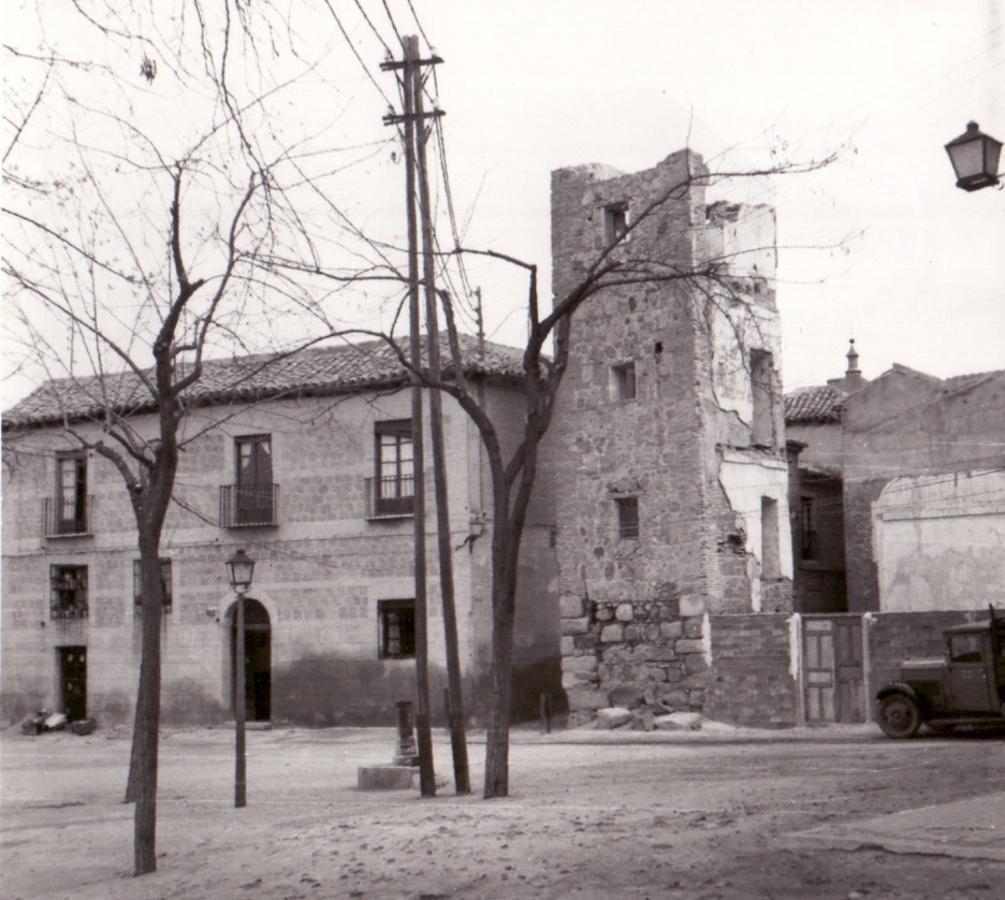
(899, 716)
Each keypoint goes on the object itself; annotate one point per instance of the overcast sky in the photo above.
(532, 86)
(881, 246)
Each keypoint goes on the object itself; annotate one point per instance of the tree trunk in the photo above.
(505, 543)
(143, 765)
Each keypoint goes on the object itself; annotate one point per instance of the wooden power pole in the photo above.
(410, 67)
(455, 707)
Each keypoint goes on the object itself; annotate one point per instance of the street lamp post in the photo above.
(240, 568)
(974, 156)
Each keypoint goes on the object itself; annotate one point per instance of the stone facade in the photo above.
(322, 570)
(667, 444)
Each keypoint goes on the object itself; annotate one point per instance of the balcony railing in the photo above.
(59, 520)
(76, 609)
(248, 506)
(390, 498)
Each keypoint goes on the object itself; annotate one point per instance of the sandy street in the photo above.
(695, 818)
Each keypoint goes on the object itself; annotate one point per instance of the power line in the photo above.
(359, 58)
(373, 28)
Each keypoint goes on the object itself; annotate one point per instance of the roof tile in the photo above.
(813, 405)
(320, 370)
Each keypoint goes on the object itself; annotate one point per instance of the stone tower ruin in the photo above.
(667, 452)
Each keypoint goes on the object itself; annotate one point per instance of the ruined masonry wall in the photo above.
(633, 608)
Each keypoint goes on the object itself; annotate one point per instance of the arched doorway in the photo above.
(257, 659)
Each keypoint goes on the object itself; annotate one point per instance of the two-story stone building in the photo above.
(306, 464)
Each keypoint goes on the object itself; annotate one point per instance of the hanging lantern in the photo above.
(241, 568)
(974, 156)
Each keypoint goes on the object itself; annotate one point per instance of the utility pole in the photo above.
(410, 66)
(455, 712)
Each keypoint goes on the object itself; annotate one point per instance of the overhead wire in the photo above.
(355, 52)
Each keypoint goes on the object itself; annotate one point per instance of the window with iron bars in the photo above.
(68, 592)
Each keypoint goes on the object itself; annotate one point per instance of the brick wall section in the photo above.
(750, 681)
(862, 584)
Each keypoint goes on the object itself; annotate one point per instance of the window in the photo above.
(396, 627)
(615, 222)
(71, 493)
(165, 586)
(770, 556)
(809, 540)
(622, 382)
(253, 501)
(965, 648)
(628, 516)
(68, 592)
(762, 430)
(395, 485)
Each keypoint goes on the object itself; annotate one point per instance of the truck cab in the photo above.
(964, 687)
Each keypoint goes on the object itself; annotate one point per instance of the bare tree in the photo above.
(147, 193)
(716, 290)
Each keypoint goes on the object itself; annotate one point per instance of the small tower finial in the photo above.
(853, 368)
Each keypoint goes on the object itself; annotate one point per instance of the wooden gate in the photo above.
(832, 668)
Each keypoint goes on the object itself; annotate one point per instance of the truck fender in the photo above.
(898, 687)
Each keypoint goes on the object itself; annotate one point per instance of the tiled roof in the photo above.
(964, 382)
(316, 371)
(813, 405)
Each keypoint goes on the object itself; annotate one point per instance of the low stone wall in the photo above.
(751, 680)
(631, 654)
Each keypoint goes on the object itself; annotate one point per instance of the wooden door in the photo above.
(818, 670)
(257, 661)
(73, 681)
(850, 702)
(832, 668)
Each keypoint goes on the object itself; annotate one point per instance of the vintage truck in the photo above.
(965, 687)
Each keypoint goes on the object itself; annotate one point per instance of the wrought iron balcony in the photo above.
(390, 498)
(70, 519)
(249, 506)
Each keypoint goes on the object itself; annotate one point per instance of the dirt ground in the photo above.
(693, 819)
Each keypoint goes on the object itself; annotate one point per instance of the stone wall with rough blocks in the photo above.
(633, 606)
(752, 679)
(632, 654)
(320, 571)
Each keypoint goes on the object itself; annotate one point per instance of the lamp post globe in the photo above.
(240, 570)
(974, 156)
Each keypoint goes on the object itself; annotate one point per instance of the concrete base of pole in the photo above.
(387, 778)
